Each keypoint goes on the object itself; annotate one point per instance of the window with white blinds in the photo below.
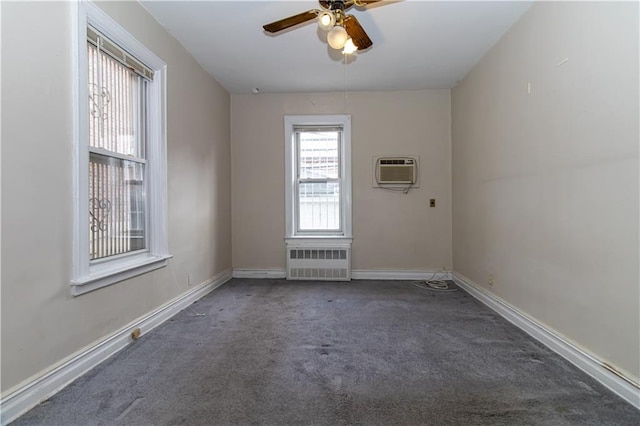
(117, 126)
(120, 161)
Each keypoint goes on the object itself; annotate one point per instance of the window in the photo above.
(120, 176)
(318, 176)
(318, 179)
(117, 124)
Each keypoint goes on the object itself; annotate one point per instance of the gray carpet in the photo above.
(274, 352)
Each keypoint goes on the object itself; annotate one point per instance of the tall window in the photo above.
(117, 147)
(318, 179)
(318, 176)
(120, 144)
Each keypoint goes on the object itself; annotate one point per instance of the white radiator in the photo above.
(319, 263)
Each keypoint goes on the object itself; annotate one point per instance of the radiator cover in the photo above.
(319, 263)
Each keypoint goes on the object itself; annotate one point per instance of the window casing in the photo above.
(120, 154)
(318, 175)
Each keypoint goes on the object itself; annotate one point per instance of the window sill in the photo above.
(121, 271)
(319, 241)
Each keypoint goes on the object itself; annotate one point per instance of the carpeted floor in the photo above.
(274, 352)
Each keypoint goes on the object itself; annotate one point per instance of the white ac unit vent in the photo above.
(396, 170)
(322, 263)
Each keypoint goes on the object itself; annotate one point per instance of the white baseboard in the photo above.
(43, 386)
(385, 274)
(356, 274)
(618, 384)
(260, 273)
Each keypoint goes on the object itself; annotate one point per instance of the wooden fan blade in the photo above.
(285, 23)
(357, 33)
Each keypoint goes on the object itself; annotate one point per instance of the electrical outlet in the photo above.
(491, 280)
(432, 202)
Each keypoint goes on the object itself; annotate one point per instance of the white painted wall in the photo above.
(545, 184)
(391, 231)
(42, 323)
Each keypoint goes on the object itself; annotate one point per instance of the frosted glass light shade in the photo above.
(326, 21)
(349, 47)
(337, 37)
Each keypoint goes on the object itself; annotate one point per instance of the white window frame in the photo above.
(292, 234)
(91, 275)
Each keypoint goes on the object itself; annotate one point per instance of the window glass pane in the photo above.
(117, 215)
(319, 206)
(318, 155)
(115, 105)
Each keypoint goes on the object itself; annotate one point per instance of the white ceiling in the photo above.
(416, 44)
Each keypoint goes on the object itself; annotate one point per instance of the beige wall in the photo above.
(391, 230)
(41, 322)
(545, 185)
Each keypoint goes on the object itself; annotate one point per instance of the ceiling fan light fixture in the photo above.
(331, 18)
(326, 20)
(349, 47)
(337, 37)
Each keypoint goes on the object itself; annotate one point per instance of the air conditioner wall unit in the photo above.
(396, 170)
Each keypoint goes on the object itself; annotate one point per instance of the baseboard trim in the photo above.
(356, 274)
(622, 386)
(260, 273)
(385, 274)
(47, 384)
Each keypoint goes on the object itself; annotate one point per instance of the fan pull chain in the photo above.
(345, 82)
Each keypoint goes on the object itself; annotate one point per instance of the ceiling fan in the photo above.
(344, 31)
